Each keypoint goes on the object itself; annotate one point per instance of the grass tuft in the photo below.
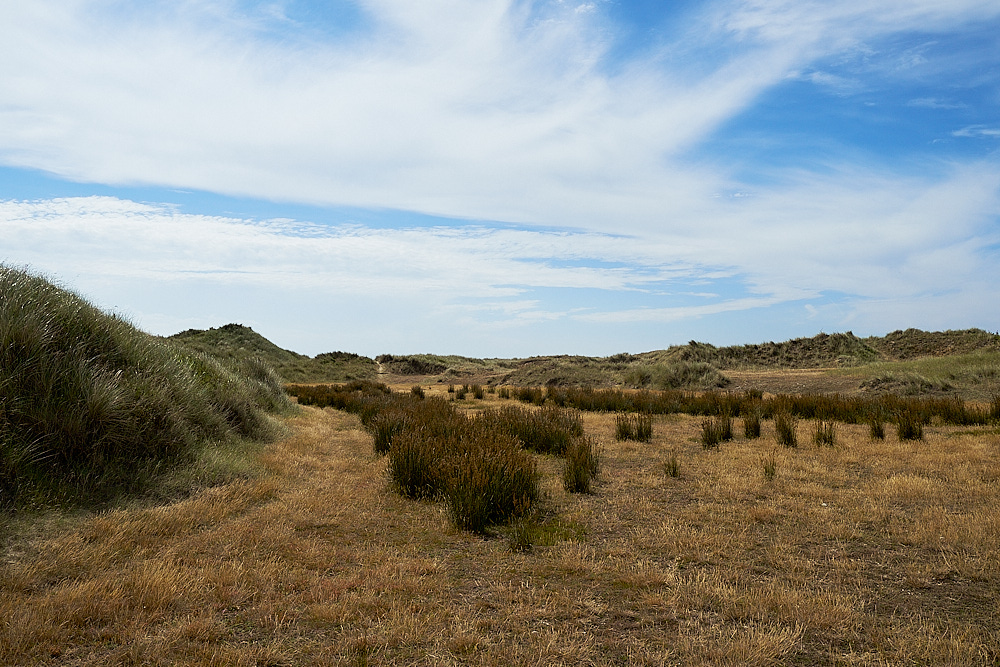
(715, 430)
(582, 465)
(751, 424)
(909, 426)
(826, 434)
(876, 427)
(785, 426)
(672, 466)
(638, 427)
(769, 466)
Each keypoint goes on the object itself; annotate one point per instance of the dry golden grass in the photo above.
(867, 553)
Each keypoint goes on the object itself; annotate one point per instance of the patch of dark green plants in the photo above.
(716, 430)
(92, 408)
(582, 465)
(751, 423)
(909, 426)
(638, 427)
(672, 466)
(825, 434)
(786, 429)
(480, 466)
(549, 430)
(853, 409)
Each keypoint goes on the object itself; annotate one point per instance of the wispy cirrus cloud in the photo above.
(498, 112)
(978, 131)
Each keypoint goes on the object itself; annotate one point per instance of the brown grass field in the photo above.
(866, 553)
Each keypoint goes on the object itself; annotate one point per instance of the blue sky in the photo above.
(508, 177)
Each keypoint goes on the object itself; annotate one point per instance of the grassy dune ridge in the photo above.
(90, 407)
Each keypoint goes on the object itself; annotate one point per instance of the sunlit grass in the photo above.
(885, 547)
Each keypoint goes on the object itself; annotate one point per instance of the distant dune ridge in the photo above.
(694, 365)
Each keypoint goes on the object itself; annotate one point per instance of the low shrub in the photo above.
(416, 464)
(384, 427)
(638, 427)
(785, 426)
(876, 428)
(751, 424)
(533, 395)
(582, 465)
(715, 430)
(478, 465)
(909, 426)
(826, 434)
(418, 391)
(490, 483)
(549, 430)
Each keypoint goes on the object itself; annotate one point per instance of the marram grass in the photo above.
(91, 407)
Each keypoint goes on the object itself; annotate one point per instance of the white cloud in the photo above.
(978, 131)
(495, 110)
(935, 103)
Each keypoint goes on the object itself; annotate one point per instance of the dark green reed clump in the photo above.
(91, 408)
(836, 407)
(751, 424)
(785, 427)
(638, 427)
(479, 466)
(909, 426)
(549, 430)
(825, 434)
(715, 430)
(582, 465)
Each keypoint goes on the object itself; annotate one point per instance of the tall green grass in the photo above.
(91, 407)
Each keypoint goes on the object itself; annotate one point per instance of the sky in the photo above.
(508, 178)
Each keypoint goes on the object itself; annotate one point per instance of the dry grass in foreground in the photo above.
(867, 553)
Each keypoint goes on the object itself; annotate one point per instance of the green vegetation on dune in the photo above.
(914, 343)
(91, 407)
(902, 362)
(820, 351)
(235, 342)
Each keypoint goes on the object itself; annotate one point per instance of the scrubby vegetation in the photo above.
(849, 409)
(716, 430)
(638, 427)
(478, 464)
(91, 408)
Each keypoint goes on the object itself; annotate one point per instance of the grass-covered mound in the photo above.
(235, 343)
(91, 407)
